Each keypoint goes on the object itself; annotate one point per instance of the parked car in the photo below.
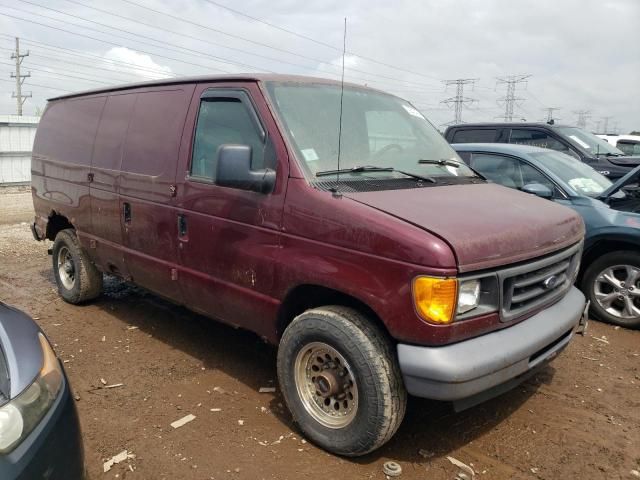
(574, 141)
(610, 271)
(628, 144)
(376, 266)
(39, 429)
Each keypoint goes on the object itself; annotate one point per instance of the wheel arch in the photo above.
(305, 296)
(603, 246)
(55, 223)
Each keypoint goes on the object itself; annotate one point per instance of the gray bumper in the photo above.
(490, 364)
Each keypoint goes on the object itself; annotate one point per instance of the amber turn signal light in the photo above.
(435, 298)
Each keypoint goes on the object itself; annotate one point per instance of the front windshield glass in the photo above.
(378, 130)
(580, 177)
(593, 144)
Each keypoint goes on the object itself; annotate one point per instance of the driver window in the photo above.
(223, 121)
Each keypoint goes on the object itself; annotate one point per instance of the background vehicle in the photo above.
(39, 428)
(629, 144)
(371, 273)
(610, 270)
(574, 141)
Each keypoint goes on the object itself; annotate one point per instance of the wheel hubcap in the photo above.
(326, 385)
(616, 291)
(66, 268)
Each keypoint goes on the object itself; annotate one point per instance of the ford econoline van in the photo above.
(334, 221)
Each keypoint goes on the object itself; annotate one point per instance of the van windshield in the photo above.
(380, 132)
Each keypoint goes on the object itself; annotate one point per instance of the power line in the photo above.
(284, 30)
(40, 86)
(510, 98)
(459, 100)
(20, 78)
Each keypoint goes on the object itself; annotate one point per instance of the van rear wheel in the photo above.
(77, 277)
(341, 380)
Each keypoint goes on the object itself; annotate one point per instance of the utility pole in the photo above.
(459, 100)
(598, 122)
(550, 111)
(18, 95)
(605, 128)
(510, 98)
(583, 116)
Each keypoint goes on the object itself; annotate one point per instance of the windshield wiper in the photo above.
(373, 168)
(609, 154)
(452, 163)
(442, 161)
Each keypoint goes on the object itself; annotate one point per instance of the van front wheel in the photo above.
(341, 380)
(77, 277)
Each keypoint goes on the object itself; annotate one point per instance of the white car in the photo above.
(629, 144)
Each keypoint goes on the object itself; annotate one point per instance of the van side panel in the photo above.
(61, 160)
(105, 167)
(147, 179)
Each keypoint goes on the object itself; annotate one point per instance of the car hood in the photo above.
(624, 161)
(628, 179)
(20, 349)
(486, 225)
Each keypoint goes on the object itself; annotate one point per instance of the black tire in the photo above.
(86, 283)
(590, 286)
(381, 395)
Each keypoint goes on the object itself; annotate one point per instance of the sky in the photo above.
(576, 55)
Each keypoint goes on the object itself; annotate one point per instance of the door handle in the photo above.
(182, 225)
(126, 212)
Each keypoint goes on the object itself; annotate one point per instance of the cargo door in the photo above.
(106, 230)
(147, 188)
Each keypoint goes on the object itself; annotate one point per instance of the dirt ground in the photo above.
(578, 418)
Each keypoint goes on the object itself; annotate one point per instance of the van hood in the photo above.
(486, 225)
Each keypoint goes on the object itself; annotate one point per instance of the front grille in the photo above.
(534, 285)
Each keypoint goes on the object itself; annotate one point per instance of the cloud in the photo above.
(139, 64)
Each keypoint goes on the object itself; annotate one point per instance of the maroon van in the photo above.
(378, 262)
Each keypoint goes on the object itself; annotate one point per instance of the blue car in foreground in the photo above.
(39, 429)
(610, 270)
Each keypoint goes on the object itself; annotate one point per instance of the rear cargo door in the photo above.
(147, 188)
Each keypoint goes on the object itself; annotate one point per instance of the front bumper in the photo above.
(53, 450)
(474, 370)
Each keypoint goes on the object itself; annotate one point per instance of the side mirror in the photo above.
(538, 190)
(234, 170)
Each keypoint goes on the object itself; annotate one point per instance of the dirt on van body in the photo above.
(578, 418)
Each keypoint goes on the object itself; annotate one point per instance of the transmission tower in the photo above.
(18, 95)
(605, 121)
(583, 116)
(510, 98)
(459, 100)
(550, 111)
(598, 122)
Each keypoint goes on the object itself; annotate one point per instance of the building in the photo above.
(16, 141)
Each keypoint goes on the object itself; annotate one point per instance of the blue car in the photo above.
(610, 270)
(39, 429)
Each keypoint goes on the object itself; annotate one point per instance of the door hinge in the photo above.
(174, 274)
(172, 190)
(92, 243)
(89, 177)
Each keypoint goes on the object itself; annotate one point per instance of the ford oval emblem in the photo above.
(550, 282)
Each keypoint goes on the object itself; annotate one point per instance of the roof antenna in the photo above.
(344, 48)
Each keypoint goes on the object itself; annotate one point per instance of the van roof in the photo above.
(246, 77)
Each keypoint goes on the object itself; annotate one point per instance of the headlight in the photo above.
(468, 295)
(21, 415)
(435, 298)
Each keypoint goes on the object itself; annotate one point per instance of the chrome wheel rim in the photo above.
(66, 268)
(616, 291)
(326, 385)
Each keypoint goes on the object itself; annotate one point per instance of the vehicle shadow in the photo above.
(430, 426)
